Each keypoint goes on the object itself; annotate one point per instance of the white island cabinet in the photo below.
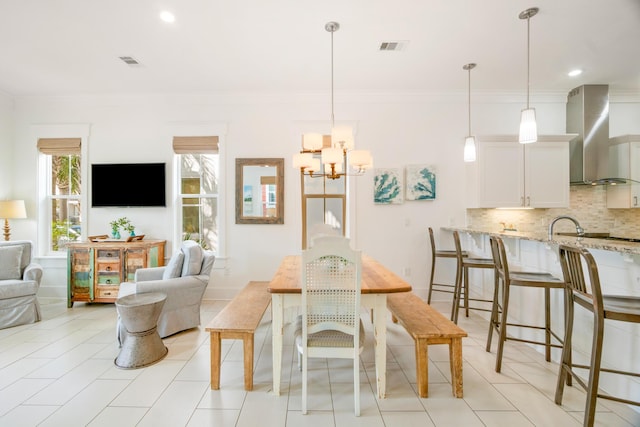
(508, 174)
(624, 162)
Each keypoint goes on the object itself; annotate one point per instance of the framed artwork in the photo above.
(420, 182)
(387, 186)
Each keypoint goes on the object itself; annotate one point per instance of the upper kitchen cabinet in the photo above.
(508, 174)
(624, 162)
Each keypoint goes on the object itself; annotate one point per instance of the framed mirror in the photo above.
(260, 191)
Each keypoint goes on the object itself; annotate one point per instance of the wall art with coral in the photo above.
(387, 186)
(420, 182)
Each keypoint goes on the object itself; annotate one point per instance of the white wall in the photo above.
(398, 129)
(6, 146)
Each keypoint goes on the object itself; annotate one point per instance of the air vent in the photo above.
(129, 60)
(395, 45)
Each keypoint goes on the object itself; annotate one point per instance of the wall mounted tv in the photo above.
(128, 185)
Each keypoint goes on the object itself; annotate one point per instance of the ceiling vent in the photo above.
(394, 46)
(129, 60)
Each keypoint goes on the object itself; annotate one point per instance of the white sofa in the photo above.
(184, 280)
(19, 283)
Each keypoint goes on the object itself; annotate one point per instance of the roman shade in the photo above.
(267, 180)
(195, 144)
(59, 146)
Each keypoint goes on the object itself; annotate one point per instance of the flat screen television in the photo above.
(128, 185)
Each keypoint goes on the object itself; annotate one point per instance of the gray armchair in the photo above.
(19, 283)
(184, 280)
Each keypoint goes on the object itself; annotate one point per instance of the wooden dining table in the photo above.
(377, 282)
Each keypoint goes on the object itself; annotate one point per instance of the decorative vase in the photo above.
(115, 233)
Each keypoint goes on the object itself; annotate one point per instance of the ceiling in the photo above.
(72, 47)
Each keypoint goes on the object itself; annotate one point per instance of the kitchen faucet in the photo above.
(579, 230)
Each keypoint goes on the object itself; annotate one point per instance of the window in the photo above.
(198, 173)
(324, 203)
(60, 160)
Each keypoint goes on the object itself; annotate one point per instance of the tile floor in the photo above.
(60, 372)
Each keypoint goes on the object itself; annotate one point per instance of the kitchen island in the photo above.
(619, 268)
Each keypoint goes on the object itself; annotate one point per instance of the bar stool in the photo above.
(588, 294)
(435, 254)
(500, 312)
(464, 263)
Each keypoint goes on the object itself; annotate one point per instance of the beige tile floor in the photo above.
(60, 372)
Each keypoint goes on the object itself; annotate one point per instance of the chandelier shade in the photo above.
(312, 141)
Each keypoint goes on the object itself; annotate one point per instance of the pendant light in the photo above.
(470, 140)
(528, 126)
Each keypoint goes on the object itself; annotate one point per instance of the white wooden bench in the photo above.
(428, 326)
(239, 320)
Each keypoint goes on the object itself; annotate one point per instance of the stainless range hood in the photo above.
(588, 116)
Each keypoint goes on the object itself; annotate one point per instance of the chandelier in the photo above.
(336, 154)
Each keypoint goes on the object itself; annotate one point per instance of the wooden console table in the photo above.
(96, 269)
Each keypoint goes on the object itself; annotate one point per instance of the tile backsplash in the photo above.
(587, 204)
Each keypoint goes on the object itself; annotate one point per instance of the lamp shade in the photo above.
(10, 209)
(332, 155)
(315, 165)
(470, 149)
(342, 137)
(528, 126)
(312, 141)
(302, 160)
(360, 159)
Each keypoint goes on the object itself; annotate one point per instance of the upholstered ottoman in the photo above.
(139, 314)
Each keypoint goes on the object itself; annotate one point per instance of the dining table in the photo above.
(377, 282)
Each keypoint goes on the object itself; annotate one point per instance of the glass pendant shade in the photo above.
(470, 149)
(528, 126)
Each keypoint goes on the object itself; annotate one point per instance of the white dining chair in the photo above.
(330, 325)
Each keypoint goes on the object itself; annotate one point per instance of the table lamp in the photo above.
(10, 209)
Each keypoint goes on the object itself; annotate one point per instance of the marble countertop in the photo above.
(584, 242)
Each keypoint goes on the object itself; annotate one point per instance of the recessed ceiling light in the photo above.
(167, 16)
(574, 73)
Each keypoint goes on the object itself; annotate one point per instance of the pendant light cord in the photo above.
(528, 57)
(332, 116)
(469, 101)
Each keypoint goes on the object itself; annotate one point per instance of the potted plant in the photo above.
(127, 226)
(123, 223)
